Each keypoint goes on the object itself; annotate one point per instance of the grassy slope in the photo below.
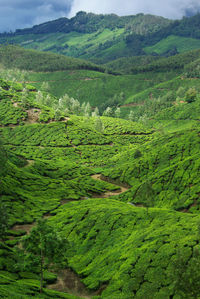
(95, 87)
(31, 60)
(75, 44)
(182, 44)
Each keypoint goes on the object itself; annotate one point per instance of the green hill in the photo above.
(141, 85)
(181, 44)
(102, 38)
(89, 36)
(31, 60)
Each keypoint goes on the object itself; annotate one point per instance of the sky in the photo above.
(18, 14)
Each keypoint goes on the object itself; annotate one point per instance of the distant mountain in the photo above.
(89, 22)
(103, 38)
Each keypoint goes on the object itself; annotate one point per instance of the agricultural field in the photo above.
(182, 44)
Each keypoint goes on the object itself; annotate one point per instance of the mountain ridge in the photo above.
(90, 22)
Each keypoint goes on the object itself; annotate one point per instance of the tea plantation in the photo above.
(129, 230)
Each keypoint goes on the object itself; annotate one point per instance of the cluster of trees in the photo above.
(89, 22)
(44, 247)
(175, 63)
(68, 105)
(140, 37)
(14, 75)
(114, 102)
(155, 105)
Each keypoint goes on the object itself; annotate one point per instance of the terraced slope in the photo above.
(124, 246)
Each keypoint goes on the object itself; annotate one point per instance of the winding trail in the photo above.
(107, 194)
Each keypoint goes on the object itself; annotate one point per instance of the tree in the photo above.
(87, 110)
(190, 95)
(39, 97)
(180, 91)
(99, 125)
(95, 113)
(108, 112)
(47, 101)
(45, 87)
(45, 245)
(117, 112)
(58, 114)
(131, 116)
(24, 99)
(75, 107)
(147, 194)
(65, 102)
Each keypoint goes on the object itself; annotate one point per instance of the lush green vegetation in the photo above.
(98, 206)
(31, 60)
(124, 249)
(102, 38)
(98, 37)
(151, 85)
(181, 44)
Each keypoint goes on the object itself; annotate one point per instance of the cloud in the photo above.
(26, 13)
(16, 14)
(173, 9)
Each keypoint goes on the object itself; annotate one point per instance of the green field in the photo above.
(182, 44)
(73, 44)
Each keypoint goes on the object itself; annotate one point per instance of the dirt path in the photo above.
(25, 227)
(33, 116)
(69, 282)
(132, 105)
(107, 194)
(29, 163)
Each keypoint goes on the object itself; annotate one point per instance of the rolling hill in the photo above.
(125, 195)
(143, 84)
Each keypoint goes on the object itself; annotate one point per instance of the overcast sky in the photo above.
(26, 13)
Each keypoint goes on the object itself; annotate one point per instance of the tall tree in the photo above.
(45, 245)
